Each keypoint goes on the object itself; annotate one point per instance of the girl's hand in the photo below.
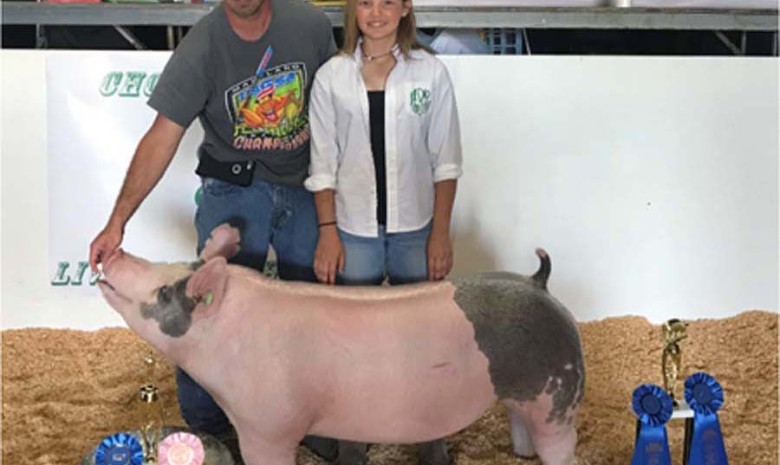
(439, 256)
(329, 256)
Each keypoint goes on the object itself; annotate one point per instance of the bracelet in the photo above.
(327, 223)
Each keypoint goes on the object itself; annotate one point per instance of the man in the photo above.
(245, 70)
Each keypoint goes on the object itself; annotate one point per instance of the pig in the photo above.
(392, 364)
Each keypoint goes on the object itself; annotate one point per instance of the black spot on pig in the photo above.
(529, 338)
(173, 309)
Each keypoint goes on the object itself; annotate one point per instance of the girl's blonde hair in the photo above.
(406, 37)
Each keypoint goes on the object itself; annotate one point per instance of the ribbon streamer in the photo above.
(653, 408)
(705, 396)
(119, 449)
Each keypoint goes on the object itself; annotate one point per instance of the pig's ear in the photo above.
(224, 242)
(207, 285)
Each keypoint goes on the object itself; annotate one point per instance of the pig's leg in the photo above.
(555, 443)
(521, 437)
(553, 440)
(257, 451)
(433, 453)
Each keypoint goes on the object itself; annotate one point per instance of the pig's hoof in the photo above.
(433, 453)
(325, 448)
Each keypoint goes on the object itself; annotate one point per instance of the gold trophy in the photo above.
(154, 415)
(674, 331)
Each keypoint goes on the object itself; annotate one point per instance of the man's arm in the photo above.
(152, 157)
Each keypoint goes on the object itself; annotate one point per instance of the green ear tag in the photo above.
(209, 298)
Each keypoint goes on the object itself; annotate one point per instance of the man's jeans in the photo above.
(265, 213)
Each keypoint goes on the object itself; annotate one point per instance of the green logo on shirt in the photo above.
(420, 99)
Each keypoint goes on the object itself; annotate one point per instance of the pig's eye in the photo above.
(164, 293)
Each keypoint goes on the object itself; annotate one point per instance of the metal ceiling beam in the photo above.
(15, 12)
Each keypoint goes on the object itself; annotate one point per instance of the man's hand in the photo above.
(329, 257)
(106, 242)
(439, 256)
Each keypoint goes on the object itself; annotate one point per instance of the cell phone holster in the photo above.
(234, 172)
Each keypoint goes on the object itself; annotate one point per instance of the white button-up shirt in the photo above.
(422, 141)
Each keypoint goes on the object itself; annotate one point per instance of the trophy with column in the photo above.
(674, 331)
(153, 413)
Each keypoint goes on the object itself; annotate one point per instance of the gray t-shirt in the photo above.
(251, 97)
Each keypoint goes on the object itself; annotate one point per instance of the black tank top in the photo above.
(376, 116)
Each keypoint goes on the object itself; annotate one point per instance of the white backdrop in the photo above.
(100, 116)
(652, 182)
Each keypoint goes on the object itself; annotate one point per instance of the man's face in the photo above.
(244, 8)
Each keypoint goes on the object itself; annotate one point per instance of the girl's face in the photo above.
(378, 19)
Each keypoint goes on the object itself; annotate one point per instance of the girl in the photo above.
(385, 153)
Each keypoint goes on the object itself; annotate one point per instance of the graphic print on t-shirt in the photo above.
(267, 108)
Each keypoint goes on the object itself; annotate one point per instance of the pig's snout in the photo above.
(118, 253)
(120, 266)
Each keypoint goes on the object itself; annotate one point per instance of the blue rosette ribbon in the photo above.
(119, 449)
(705, 396)
(653, 408)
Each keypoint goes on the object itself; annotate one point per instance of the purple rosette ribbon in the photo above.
(705, 397)
(653, 408)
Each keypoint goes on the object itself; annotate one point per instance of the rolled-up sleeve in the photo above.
(444, 135)
(324, 146)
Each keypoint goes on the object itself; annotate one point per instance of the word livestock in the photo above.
(62, 277)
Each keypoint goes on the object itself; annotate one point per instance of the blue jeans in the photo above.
(401, 257)
(266, 214)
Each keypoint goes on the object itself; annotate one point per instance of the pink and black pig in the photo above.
(394, 364)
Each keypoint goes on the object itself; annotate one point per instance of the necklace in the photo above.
(371, 58)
